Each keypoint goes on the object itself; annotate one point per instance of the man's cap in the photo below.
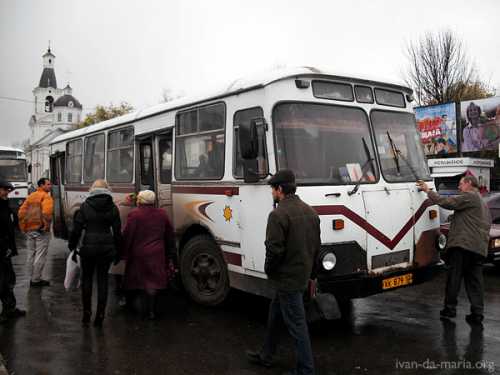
(6, 184)
(283, 176)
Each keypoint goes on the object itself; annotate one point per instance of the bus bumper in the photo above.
(363, 284)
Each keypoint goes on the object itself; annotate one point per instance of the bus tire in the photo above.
(204, 272)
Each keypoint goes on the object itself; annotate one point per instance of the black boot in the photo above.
(151, 307)
(86, 318)
(98, 320)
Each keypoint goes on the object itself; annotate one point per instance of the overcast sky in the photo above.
(123, 50)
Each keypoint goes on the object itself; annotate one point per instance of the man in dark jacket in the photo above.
(467, 246)
(292, 242)
(8, 249)
(99, 220)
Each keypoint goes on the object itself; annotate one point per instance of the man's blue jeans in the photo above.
(288, 308)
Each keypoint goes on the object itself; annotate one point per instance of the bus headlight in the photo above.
(329, 261)
(441, 242)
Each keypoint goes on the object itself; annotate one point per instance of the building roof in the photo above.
(6, 148)
(48, 78)
(47, 137)
(65, 100)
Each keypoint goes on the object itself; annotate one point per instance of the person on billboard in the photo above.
(444, 126)
(467, 246)
(471, 133)
(441, 147)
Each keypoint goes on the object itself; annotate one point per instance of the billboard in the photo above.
(438, 128)
(480, 124)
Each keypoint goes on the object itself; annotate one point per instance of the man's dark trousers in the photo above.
(288, 307)
(7, 282)
(469, 266)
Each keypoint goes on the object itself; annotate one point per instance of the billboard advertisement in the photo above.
(438, 128)
(480, 124)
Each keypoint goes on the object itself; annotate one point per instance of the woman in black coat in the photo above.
(99, 220)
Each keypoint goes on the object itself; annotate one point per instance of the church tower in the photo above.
(55, 112)
(45, 94)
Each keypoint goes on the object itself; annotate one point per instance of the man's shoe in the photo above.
(447, 313)
(474, 319)
(255, 358)
(40, 283)
(98, 321)
(86, 318)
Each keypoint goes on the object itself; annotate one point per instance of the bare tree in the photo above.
(440, 71)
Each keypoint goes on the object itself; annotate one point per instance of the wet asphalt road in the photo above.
(382, 333)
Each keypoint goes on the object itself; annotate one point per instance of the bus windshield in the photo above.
(398, 142)
(324, 144)
(13, 170)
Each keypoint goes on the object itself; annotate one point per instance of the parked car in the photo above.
(494, 246)
(492, 200)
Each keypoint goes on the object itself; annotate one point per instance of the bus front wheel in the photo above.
(204, 271)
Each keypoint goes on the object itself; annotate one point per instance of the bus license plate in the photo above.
(395, 282)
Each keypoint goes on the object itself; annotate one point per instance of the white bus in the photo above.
(13, 168)
(352, 143)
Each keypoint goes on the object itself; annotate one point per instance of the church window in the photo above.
(70, 117)
(59, 117)
(49, 103)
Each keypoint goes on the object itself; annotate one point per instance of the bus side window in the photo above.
(200, 143)
(242, 117)
(93, 163)
(165, 148)
(74, 162)
(147, 165)
(120, 158)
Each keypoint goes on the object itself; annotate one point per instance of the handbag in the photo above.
(73, 271)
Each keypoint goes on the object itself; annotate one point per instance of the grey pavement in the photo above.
(398, 332)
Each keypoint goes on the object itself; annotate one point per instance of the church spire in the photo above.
(48, 78)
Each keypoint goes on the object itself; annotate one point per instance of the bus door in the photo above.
(57, 163)
(145, 168)
(163, 171)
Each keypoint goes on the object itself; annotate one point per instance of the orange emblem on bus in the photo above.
(228, 213)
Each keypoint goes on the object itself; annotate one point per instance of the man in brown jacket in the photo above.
(292, 242)
(467, 246)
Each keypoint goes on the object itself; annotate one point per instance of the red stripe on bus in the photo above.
(208, 190)
(232, 258)
(370, 229)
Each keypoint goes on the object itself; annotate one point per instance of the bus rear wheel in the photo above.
(204, 271)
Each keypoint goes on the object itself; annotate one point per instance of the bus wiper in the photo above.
(368, 161)
(398, 154)
(394, 153)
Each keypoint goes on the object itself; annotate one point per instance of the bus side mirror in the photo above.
(249, 141)
(29, 168)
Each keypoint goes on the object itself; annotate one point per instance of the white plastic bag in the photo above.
(72, 279)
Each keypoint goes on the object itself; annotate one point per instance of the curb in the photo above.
(3, 370)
